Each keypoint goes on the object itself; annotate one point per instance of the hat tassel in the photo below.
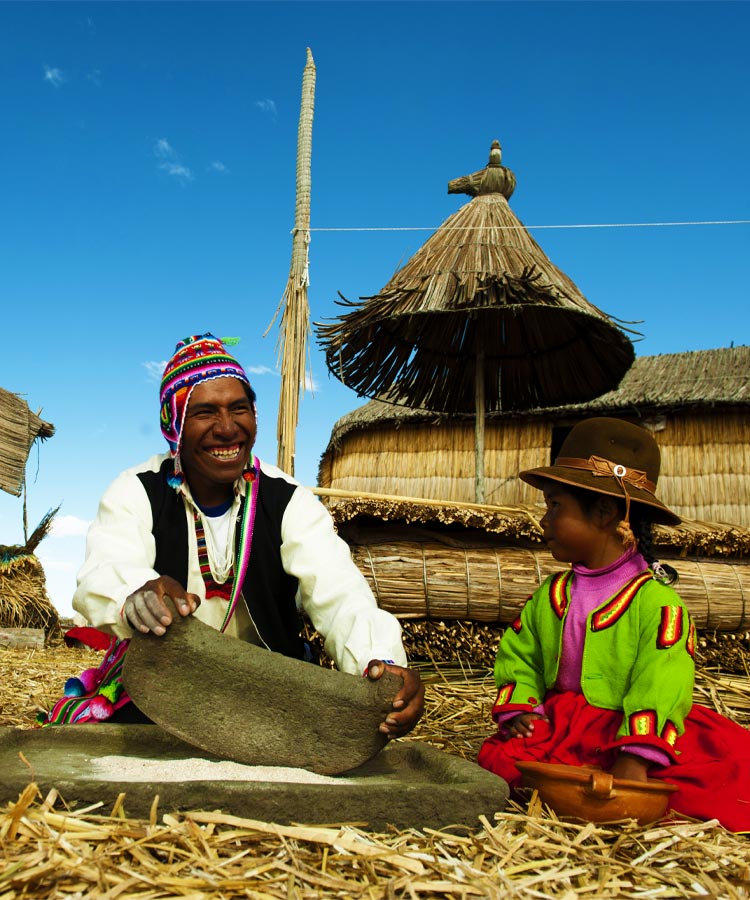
(624, 531)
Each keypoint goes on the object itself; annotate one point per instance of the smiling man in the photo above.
(230, 539)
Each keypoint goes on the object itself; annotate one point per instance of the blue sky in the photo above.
(148, 190)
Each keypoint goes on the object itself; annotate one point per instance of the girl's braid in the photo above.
(645, 540)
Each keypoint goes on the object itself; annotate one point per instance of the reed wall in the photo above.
(705, 462)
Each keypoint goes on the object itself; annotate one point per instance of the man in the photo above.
(231, 540)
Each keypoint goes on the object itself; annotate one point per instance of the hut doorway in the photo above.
(559, 433)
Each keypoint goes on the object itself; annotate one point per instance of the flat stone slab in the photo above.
(408, 784)
(247, 704)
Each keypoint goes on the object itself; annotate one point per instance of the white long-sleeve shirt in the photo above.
(121, 552)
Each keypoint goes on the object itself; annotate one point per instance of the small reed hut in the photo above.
(431, 555)
(24, 604)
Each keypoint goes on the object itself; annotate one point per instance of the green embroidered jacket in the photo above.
(638, 657)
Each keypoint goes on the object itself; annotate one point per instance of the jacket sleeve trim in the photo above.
(671, 627)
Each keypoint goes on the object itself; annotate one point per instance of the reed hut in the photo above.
(24, 603)
(433, 556)
(480, 355)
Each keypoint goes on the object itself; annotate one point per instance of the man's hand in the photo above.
(147, 610)
(523, 726)
(408, 704)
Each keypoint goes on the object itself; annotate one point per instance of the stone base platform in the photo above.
(408, 784)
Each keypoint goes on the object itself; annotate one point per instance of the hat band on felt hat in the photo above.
(600, 466)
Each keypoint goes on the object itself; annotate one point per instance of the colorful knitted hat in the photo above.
(197, 358)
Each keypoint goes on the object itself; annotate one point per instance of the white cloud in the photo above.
(170, 163)
(217, 166)
(68, 526)
(163, 149)
(267, 106)
(53, 75)
(154, 369)
(177, 170)
(311, 384)
(261, 370)
(95, 77)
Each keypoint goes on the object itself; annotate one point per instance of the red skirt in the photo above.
(713, 772)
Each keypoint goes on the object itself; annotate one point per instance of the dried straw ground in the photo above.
(49, 851)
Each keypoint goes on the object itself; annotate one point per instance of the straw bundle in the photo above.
(432, 581)
(295, 319)
(491, 584)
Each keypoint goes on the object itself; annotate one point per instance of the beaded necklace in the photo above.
(230, 590)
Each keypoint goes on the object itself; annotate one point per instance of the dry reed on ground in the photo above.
(50, 851)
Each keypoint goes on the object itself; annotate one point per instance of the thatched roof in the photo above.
(19, 428)
(478, 303)
(699, 378)
(666, 382)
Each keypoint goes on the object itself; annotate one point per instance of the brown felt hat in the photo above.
(609, 456)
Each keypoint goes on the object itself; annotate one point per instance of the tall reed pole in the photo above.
(294, 328)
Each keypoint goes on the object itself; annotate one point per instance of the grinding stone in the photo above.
(409, 784)
(247, 704)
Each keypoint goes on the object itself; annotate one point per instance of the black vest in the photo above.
(268, 590)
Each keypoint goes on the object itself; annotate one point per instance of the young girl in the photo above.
(598, 669)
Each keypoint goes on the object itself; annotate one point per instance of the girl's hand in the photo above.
(523, 726)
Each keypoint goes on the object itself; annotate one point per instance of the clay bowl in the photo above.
(583, 792)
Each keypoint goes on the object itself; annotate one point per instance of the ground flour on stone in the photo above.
(134, 768)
